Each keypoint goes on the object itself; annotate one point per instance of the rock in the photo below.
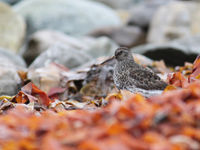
(142, 60)
(120, 4)
(175, 20)
(61, 54)
(174, 53)
(128, 36)
(11, 59)
(101, 46)
(9, 79)
(142, 13)
(71, 17)
(42, 40)
(56, 79)
(11, 2)
(12, 28)
(46, 78)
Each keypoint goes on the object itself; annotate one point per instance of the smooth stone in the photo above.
(120, 4)
(11, 58)
(128, 36)
(9, 80)
(10, 64)
(142, 13)
(42, 40)
(11, 2)
(61, 54)
(46, 77)
(102, 46)
(174, 53)
(12, 28)
(175, 20)
(71, 17)
(142, 60)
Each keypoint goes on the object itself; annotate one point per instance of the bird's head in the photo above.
(123, 53)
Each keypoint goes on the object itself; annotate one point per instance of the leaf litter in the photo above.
(87, 112)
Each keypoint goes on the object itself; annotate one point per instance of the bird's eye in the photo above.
(120, 53)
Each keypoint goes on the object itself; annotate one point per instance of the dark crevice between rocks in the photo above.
(171, 56)
(144, 28)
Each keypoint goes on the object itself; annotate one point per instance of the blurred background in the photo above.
(35, 33)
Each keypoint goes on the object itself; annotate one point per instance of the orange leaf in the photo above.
(114, 96)
(44, 99)
(178, 80)
(32, 93)
(196, 70)
(170, 88)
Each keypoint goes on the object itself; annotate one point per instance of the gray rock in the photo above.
(101, 46)
(42, 40)
(142, 13)
(175, 20)
(12, 28)
(9, 79)
(11, 58)
(128, 36)
(11, 2)
(61, 54)
(67, 16)
(117, 4)
(174, 53)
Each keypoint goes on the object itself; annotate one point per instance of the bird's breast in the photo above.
(120, 76)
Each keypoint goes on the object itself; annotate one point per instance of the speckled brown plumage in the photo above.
(131, 76)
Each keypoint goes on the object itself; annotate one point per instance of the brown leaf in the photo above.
(30, 93)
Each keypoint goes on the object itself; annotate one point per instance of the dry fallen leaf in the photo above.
(115, 121)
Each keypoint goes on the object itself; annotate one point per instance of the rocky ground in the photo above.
(55, 94)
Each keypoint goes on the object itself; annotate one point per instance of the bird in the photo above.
(128, 75)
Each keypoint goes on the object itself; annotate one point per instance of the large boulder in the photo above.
(128, 36)
(12, 28)
(120, 4)
(71, 56)
(61, 54)
(42, 40)
(142, 13)
(174, 53)
(175, 20)
(11, 2)
(101, 46)
(71, 17)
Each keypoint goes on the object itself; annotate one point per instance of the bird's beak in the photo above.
(107, 60)
(112, 58)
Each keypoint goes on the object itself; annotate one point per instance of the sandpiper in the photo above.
(129, 75)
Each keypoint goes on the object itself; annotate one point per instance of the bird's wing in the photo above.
(147, 80)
